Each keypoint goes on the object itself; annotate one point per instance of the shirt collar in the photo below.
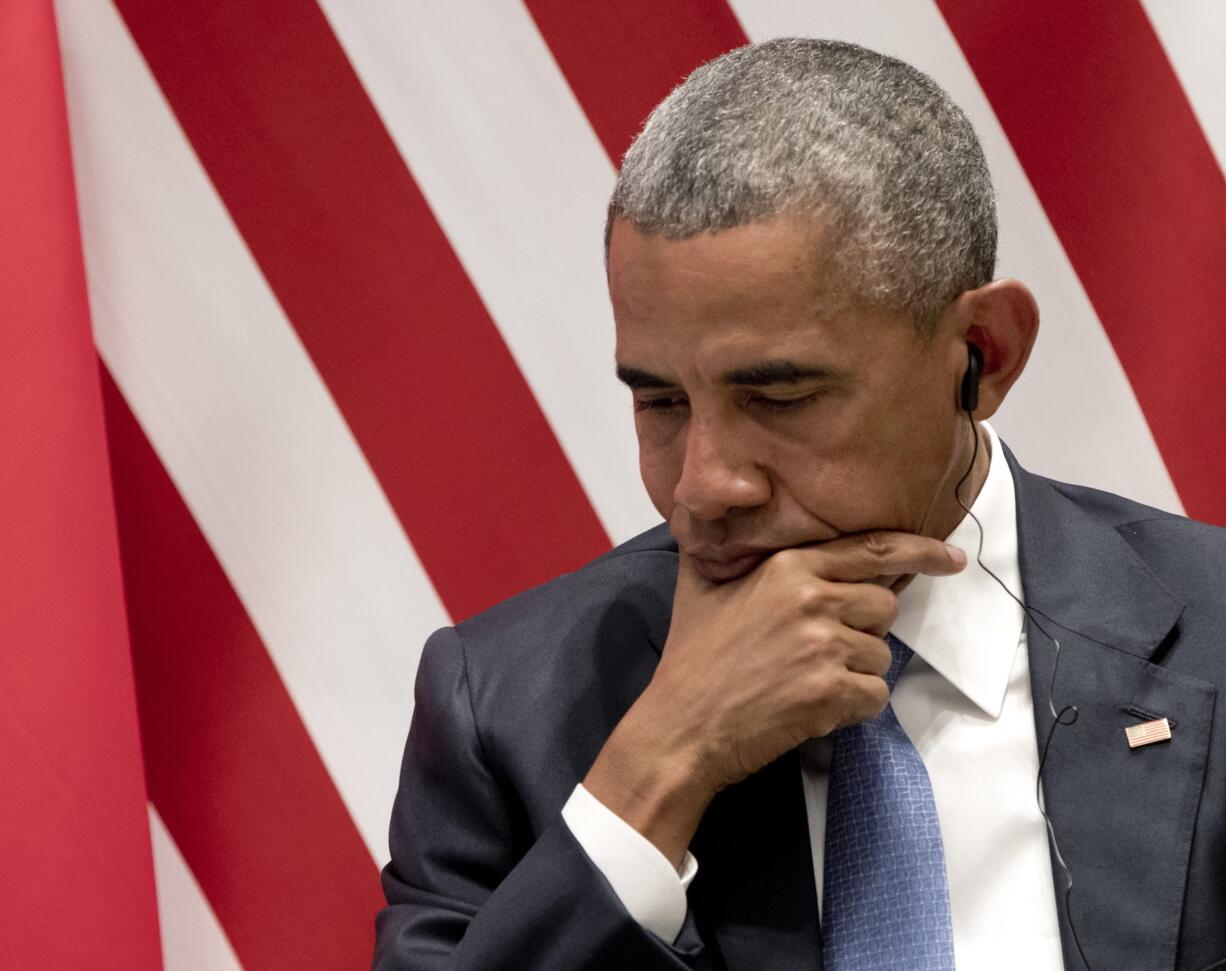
(965, 626)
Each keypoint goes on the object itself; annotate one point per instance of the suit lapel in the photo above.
(1122, 817)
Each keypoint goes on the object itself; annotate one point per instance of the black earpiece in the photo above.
(970, 380)
(1066, 715)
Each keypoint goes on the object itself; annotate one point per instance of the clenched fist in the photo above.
(752, 668)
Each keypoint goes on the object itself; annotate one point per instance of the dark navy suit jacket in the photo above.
(513, 706)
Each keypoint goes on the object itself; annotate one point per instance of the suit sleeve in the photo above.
(462, 895)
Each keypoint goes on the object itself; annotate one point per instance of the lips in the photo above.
(722, 566)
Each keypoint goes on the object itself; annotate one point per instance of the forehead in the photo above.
(739, 270)
(766, 289)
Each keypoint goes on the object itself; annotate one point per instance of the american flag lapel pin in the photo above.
(1146, 733)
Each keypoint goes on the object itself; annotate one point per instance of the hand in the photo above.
(752, 668)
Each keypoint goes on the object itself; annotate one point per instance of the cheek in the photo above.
(849, 490)
(894, 481)
(660, 471)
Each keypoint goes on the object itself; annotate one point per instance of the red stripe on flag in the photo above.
(621, 59)
(230, 766)
(1104, 131)
(353, 253)
(78, 888)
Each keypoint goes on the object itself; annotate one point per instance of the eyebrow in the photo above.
(637, 379)
(775, 372)
(761, 374)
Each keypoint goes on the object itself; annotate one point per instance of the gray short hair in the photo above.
(820, 126)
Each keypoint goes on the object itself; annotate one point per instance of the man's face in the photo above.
(772, 412)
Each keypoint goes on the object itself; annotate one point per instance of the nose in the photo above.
(719, 473)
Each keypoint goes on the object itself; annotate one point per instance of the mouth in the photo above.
(723, 566)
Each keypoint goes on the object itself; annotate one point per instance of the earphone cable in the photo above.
(1065, 716)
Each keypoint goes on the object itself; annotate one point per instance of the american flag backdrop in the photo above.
(350, 380)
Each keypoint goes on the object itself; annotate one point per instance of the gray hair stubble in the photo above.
(818, 127)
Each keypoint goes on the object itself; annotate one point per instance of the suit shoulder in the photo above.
(633, 575)
(1136, 518)
(1116, 510)
(1185, 553)
(549, 673)
(1182, 551)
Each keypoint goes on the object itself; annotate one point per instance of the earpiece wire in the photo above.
(1058, 717)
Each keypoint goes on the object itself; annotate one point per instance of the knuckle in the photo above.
(868, 703)
(879, 696)
(835, 700)
(878, 606)
(783, 562)
(868, 655)
(813, 598)
(885, 603)
(825, 635)
(877, 544)
(824, 723)
(882, 659)
(823, 690)
(892, 609)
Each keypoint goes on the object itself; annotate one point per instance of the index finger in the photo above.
(876, 554)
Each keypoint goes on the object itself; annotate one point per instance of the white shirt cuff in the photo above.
(645, 882)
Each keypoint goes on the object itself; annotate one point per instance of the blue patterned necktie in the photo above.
(885, 899)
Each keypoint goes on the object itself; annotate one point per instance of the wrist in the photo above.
(651, 779)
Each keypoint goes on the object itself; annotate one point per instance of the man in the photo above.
(796, 728)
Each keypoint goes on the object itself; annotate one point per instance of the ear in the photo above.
(1002, 318)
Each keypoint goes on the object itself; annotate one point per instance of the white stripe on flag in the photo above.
(1193, 34)
(519, 183)
(1073, 415)
(236, 411)
(192, 938)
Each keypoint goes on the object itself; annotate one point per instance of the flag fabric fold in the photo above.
(78, 888)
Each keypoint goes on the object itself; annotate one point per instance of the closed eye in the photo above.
(660, 403)
(781, 406)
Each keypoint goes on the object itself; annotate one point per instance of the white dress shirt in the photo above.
(965, 702)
